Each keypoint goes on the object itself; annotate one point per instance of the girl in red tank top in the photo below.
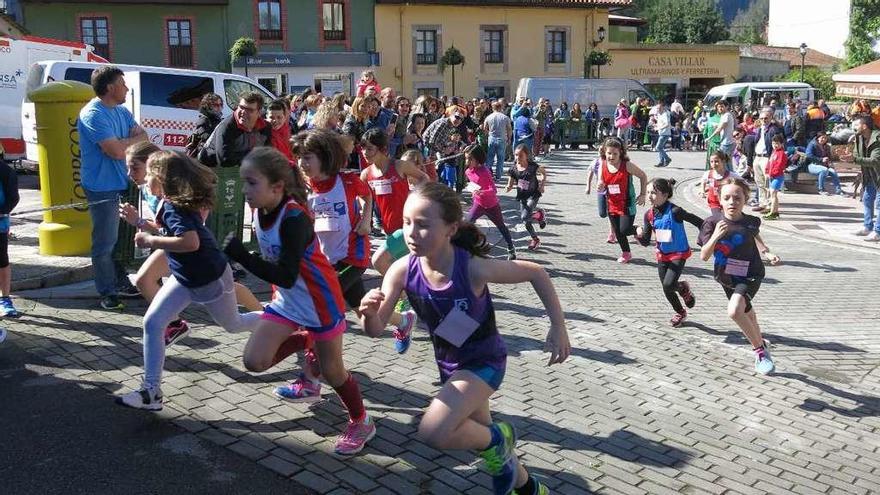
(615, 173)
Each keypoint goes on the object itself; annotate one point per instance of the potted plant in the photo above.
(451, 57)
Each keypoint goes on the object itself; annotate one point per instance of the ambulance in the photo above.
(163, 100)
(16, 56)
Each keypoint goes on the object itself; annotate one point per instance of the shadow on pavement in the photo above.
(736, 337)
(868, 406)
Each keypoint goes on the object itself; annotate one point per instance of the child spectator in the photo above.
(775, 171)
(368, 80)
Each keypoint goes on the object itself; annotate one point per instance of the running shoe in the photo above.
(625, 258)
(771, 216)
(678, 319)
(112, 303)
(862, 232)
(534, 243)
(511, 254)
(541, 488)
(300, 390)
(872, 237)
(403, 333)
(402, 305)
(500, 461)
(145, 398)
(356, 435)
(759, 209)
(824, 193)
(3, 334)
(7, 310)
(126, 289)
(540, 217)
(175, 331)
(684, 289)
(612, 239)
(763, 361)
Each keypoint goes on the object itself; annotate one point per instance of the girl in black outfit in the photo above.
(529, 179)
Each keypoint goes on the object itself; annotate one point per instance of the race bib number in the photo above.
(664, 235)
(522, 184)
(736, 268)
(613, 188)
(381, 187)
(456, 327)
(327, 224)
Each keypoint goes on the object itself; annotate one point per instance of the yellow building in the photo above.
(501, 41)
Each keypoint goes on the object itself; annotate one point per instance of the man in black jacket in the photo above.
(239, 133)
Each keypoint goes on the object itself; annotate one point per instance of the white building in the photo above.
(822, 25)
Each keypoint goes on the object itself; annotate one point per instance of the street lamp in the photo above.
(803, 55)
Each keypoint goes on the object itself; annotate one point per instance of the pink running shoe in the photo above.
(176, 331)
(625, 258)
(356, 435)
(612, 239)
(678, 319)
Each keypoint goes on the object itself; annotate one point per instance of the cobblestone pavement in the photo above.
(640, 407)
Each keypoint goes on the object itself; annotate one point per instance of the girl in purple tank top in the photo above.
(446, 278)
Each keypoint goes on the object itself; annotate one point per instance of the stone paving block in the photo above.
(251, 452)
(279, 465)
(321, 484)
(398, 484)
(357, 480)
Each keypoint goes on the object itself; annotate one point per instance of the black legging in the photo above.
(526, 207)
(622, 225)
(669, 272)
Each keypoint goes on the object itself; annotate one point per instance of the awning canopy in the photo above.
(859, 82)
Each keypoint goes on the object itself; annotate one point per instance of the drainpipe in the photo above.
(400, 34)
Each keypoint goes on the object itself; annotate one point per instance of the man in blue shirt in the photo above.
(106, 129)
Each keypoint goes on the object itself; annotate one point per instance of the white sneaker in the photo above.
(872, 237)
(145, 398)
(862, 232)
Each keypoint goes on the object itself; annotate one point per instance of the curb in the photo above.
(53, 279)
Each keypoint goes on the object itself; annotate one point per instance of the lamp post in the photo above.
(803, 55)
(601, 35)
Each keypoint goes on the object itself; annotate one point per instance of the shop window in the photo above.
(556, 47)
(180, 46)
(426, 47)
(435, 92)
(269, 12)
(494, 92)
(334, 21)
(95, 31)
(493, 46)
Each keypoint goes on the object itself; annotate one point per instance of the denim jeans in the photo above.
(497, 151)
(823, 172)
(871, 201)
(661, 148)
(105, 231)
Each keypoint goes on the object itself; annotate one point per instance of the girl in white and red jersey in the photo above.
(615, 178)
(710, 185)
(307, 292)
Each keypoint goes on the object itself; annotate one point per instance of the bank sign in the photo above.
(858, 90)
(682, 66)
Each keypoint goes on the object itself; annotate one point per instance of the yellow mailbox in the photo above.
(64, 232)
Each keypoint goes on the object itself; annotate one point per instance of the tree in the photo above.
(750, 24)
(864, 32)
(815, 77)
(451, 58)
(684, 21)
(243, 47)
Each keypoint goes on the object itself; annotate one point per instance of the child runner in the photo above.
(529, 179)
(719, 170)
(615, 179)
(307, 292)
(775, 171)
(155, 267)
(388, 179)
(199, 271)
(446, 277)
(601, 200)
(8, 201)
(486, 197)
(665, 220)
(734, 239)
(416, 158)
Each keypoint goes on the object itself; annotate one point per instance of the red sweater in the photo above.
(776, 165)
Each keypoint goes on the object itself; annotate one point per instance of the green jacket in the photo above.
(867, 155)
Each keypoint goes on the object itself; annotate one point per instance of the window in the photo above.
(270, 20)
(556, 47)
(493, 92)
(83, 75)
(426, 47)
(95, 31)
(493, 46)
(235, 88)
(334, 21)
(435, 92)
(180, 52)
(174, 91)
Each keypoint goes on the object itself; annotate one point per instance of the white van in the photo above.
(164, 101)
(755, 93)
(605, 93)
(16, 55)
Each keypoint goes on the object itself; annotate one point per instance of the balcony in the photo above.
(271, 35)
(426, 58)
(493, 58)
(334, 35)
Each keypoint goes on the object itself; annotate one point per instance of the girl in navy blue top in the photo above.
(200, 272)
(446, 279)
(665, 221)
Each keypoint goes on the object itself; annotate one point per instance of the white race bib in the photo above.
(382, 187)
(522, 184)
(327, 224)
(613, 188)
(664, 235)
(736, 268)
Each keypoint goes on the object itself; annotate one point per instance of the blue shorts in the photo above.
(492, 376)
(776, 183)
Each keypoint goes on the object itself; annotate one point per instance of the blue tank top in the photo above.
(484, 347)
(666, 221)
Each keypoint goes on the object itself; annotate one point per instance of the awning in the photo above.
(859, 82)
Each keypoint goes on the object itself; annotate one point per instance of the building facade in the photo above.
(501, 41)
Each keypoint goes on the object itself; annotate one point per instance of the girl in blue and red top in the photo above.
(307, 295)
(666, 221)
(615, 179)
(446, 277)
(775, 172)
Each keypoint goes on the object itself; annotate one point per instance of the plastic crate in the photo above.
(228, 213)
(124, 250)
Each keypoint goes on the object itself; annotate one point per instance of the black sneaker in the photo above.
(112, 303)
(127, 289)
